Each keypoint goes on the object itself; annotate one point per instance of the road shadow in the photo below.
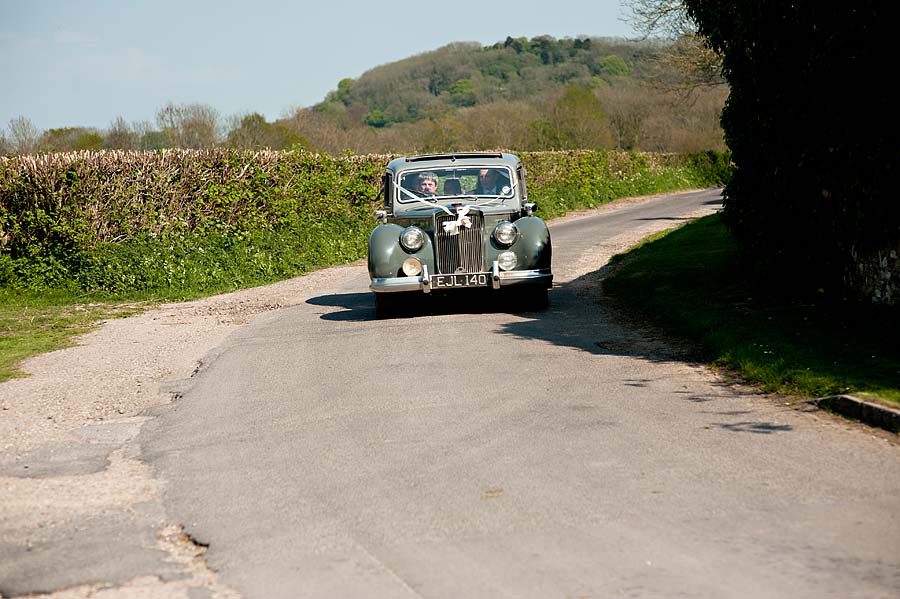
(758, 428)
(579, 317)
(359, 307)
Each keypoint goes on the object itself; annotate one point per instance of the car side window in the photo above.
(387, 181)
(520, 174)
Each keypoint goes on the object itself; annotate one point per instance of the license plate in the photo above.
(478, 279)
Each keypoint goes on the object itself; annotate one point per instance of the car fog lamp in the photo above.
(507, 260)
(412, 267)
(412, 239)
(505, 233)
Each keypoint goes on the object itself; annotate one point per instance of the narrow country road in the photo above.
(471, 451)
(465, 449)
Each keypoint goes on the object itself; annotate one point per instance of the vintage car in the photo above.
(454, 222)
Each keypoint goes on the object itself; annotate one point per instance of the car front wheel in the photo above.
(535, 300)
(388, 305)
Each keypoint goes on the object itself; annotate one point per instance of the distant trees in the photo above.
(252, 132)
(177, 126)
(526, 94)
(121, 136)
(510, 95)
(465, 74)
(688, 57)
(574, 120)
(70, 138)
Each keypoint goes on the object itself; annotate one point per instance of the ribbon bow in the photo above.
(452, 227)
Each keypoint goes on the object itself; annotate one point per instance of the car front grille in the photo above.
(463, 252)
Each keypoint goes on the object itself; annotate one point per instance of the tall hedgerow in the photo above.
(814, 142)
(123, 222)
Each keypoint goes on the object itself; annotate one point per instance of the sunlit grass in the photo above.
(33, 323)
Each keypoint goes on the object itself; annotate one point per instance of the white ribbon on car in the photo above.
(452, 227)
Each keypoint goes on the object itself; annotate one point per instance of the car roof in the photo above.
(460, 159)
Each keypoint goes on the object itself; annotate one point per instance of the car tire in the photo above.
(535, 300)
(388, 305)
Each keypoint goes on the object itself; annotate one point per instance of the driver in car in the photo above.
(426, 184)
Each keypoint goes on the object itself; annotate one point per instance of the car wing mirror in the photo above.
(530, 208)
(381, 215)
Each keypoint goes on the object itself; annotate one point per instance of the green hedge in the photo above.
(814, 139)
(205, 221)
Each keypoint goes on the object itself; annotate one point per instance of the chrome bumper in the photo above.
(499, 278)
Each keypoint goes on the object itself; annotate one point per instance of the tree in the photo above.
(24, 134)
(120, 136)
(6, 146)
(462, 93)
(574, 120)
(189, 125)
(66, 139)
(668, 19)
(252, 132)
(812, 199)
(688, 55)
(613, 66)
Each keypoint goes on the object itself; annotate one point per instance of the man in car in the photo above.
(426, 184)
(490, 183)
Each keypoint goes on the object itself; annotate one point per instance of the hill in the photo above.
(539, 93)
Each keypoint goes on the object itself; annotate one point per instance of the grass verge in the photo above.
(690, 282)
(33, 323)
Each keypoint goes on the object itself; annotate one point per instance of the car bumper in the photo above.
(538, 277)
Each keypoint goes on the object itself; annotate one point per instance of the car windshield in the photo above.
(445, 183)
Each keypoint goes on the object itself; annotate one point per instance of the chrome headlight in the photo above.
(505, 233)
(412, 239)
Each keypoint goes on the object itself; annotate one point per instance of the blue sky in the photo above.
(82, 63)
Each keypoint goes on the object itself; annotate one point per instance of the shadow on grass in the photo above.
(691, 284)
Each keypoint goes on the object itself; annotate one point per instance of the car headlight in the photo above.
(412, 267)
(507, 260)
(412, 239)
(505, 233)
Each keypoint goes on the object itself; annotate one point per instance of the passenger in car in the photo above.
(490, 182)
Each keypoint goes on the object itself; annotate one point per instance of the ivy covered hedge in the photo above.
(126, 222)
(814, 140)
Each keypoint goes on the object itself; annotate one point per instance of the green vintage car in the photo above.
(458, 222)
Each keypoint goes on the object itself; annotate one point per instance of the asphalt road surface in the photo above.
(474, 450)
